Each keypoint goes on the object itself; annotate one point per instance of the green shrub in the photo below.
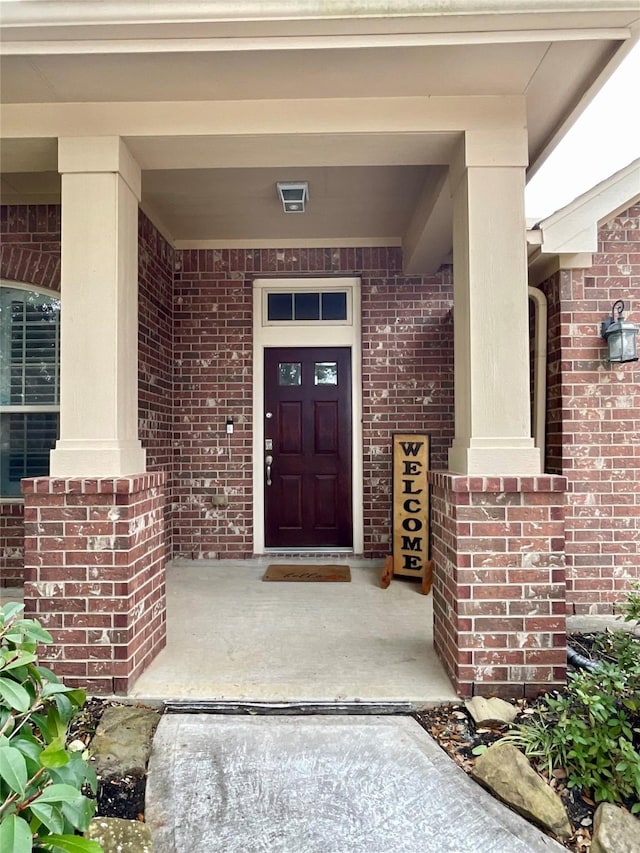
(41, 800)
(591, 730)
(630, 608)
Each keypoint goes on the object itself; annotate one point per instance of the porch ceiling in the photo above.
(218, 185)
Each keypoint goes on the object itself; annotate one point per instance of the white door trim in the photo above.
(321, 334)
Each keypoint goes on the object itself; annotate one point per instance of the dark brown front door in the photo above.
(308, 447)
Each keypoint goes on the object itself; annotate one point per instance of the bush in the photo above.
(592, 729)
(41, 781)
(630, 608)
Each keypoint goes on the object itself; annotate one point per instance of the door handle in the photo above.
(269, 462)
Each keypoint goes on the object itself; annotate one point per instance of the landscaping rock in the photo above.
(487, 711)
(615, 831)
(120, 836)
(507, 773)
(122, 742)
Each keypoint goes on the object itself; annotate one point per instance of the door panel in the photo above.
(289, 421)
(326, 501)
(288, 496)
(308, 418)
(326, 426)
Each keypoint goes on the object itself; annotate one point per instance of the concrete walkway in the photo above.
(314, 784)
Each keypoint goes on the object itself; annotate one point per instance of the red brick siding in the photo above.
(11, 544)
(95, 555)
(498, 593)
(155, 350)
(599, 408)
(554, 417)
(407, 382)
(29, 254)
(212, 381)
(407, 342)
(31, 226)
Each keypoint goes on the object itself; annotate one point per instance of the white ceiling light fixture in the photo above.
(293, 195)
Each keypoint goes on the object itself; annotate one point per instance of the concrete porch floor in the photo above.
(231, 636)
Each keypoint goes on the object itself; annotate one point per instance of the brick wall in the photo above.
(11, 544)
(407, 341)
(554, 417)
(594, 420)
(407, 366)
(30, 254)
(34, 227)
(499, 593)
(155, 350)
(95, 555)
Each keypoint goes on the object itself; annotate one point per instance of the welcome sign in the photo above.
(410, 503)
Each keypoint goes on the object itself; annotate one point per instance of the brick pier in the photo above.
(95, 555)
(499, 585)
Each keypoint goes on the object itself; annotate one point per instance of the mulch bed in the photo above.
(455, 731)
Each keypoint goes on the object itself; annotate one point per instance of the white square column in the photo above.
(491, 315)
(101, 185)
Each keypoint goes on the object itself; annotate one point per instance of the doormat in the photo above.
(301, 572)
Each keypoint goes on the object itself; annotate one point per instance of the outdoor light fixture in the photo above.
(620, 335)
(293, 195)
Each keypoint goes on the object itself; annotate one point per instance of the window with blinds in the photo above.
(29, 384)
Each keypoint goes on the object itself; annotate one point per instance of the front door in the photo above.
(307, 455)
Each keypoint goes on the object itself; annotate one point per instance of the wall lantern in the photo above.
(293, 195)
(620, 335)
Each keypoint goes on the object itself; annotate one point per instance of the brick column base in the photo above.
(499, 582)
(95, 555)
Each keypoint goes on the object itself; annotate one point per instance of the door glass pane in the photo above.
(289, 373)
(334, 306)
(280, 306)
(325, 373)
(307, 306)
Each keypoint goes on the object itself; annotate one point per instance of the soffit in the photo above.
(30, 188)
(256, 75)
(234, 204)
(347, 204)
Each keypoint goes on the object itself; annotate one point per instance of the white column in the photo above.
(99, 332)
(491, 330)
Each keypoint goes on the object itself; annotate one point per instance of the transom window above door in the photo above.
(307, 306)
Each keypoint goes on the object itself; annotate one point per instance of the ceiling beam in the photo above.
(265, 117)
(291, 150)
